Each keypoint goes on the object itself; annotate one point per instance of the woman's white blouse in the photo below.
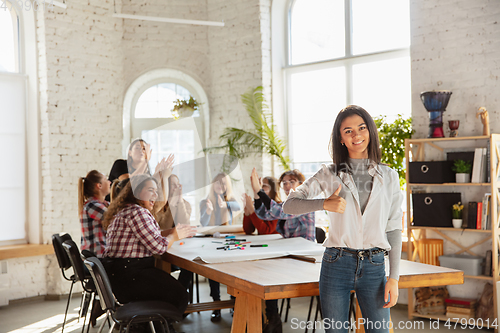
(352, 229)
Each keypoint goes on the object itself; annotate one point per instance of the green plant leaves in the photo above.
(239, 143)
(392, 143)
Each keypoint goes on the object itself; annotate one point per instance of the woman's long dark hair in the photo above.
(87, 188)
(274, 192)
(339, 152)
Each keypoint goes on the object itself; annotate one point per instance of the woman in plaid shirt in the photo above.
(133, 237)
(92, 189)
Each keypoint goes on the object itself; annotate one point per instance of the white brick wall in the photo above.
(455, 45)
(87, 59)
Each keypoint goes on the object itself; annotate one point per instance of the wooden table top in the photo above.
(288, 277)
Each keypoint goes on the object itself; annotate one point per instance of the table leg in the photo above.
(247, 313)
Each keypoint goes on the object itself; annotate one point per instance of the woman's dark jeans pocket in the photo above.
(377, 259)
(331, 255)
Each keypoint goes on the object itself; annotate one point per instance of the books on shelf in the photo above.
(471, 215)
(480, 166)
(479, 213)
(485, 220)
(460, 308)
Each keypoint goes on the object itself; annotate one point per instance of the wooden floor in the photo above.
(46, 317)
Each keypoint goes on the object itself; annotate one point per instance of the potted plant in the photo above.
(462, 169)
(238, 143)
(184, 108)
(456, 214)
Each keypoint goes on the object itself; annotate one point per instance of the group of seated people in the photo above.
(142, 215)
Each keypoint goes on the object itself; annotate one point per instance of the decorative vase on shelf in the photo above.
(457, 223)
(462, 177)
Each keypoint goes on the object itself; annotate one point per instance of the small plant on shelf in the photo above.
(461, 166)
(457, 210)
(462, 169)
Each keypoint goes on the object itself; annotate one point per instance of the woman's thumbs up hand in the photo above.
(335, 203)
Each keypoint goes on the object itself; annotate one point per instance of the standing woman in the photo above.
(364, 200)
(92, 190)
(217, 209)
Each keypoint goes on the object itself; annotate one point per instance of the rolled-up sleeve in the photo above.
(395, 217)
(301, 200)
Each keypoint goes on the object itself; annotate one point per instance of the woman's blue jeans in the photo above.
(342, 272)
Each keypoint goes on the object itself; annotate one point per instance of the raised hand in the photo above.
(335, 203)
(248, 202)
(147, 151)
(165, 166)
(220, 201)
(255, 181)
(210, 207)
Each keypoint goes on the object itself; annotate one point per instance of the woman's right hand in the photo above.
(147, 151)
(210, 207)
(335, 203)
(248, 202)
(256, 185)
(184, 231)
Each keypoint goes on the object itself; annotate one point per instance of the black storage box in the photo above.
(436, 172)
(434, 209)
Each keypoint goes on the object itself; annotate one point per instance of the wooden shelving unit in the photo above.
(415, 151)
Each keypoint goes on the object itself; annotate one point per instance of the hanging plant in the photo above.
(184, 108)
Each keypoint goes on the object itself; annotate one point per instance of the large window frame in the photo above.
(27, 60)
(347, 61)
(200, 125)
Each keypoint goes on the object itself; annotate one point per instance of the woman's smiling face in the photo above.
(148, 194)
(355, 136)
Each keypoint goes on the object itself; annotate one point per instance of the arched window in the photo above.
(341, 53)
(9, 38)
(148, 105)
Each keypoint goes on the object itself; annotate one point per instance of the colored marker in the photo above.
(259, 245)
(223, 248)
(217, 242)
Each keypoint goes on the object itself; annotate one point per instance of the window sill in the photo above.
(26, 250)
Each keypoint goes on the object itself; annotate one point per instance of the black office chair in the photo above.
(133, 312)
(80, 275)
(64, 264)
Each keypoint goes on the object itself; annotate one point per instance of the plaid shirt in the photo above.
(294, 225)
(134, 233)
(93, 238)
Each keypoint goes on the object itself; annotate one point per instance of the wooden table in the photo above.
(253, 281)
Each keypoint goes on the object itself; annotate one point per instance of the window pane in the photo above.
(317, 31)
(13, 168)
(380, 25)
(8, 39)
(181, 144)
(383, 87)
(158, 101)
(316, 98)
